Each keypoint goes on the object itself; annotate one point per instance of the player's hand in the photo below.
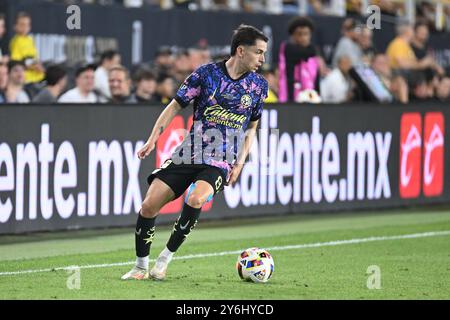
(146, 149)
(234, 174)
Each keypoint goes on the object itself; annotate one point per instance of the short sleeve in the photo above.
(257, 109)
(190, 88)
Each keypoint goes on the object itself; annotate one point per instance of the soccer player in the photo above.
(228, 98)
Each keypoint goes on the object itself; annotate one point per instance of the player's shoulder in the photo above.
(259, 80)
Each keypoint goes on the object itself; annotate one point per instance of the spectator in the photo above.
(421, 90)
(3, 76)
(400, 53)
(337, 85)
(419, 44)
(108, 59)
(443, 90)
(182, 66)
(405, 63)
(3, 81)
(366, 43)
(3, 56)
(15, 92)
(387, 7)
(348, 44)
(163, 61)
(22, 48)
(120, 85)
(199, 56)
(272, 80)
(84, 89)
(396, 84)
(56, 79)
(298, 61)
(145, 86)
(165, 88)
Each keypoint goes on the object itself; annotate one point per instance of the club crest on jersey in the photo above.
(246, 100)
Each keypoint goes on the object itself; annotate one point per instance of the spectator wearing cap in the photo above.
(348, 44)
(84, 89)
(15, 92)
(120, 85)
(56, 79)
(145, 82)
(182, 66)
(108, 59)
(163, 61)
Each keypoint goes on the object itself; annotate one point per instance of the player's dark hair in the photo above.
(54, 74)
(2, 16)
(108, 55)
(246, 35)
(300, 22)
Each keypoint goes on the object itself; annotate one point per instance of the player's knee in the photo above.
(196, 200)
(148, 210)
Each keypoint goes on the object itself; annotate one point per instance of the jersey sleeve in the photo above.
(190, 88)
(257, 109)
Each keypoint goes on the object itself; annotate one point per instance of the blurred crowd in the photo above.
(425, 10)
(406, 69)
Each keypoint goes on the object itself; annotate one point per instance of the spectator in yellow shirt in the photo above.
(22, 48)
(400, 53)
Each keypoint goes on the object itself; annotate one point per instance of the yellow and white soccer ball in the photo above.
(255, 264)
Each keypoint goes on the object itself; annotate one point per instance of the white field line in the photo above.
(224, 253)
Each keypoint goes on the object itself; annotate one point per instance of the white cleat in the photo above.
(136, 273)
(159, 270)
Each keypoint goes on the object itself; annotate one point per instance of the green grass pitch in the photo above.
(410, 268)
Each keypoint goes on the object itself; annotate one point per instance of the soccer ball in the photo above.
(255, 264)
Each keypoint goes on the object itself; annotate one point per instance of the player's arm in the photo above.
(249, 137)
(162, 122)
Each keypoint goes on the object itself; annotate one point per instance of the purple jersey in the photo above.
(223, 108)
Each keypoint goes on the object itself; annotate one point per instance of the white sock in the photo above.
(142, 262)
(167, 254)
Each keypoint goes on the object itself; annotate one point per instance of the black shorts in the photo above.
(180, 176)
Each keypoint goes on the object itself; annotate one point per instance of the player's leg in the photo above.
(158, 194)
(201, 191)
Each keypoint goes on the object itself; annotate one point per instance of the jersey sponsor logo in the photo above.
(219, 115)
(246, 101)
